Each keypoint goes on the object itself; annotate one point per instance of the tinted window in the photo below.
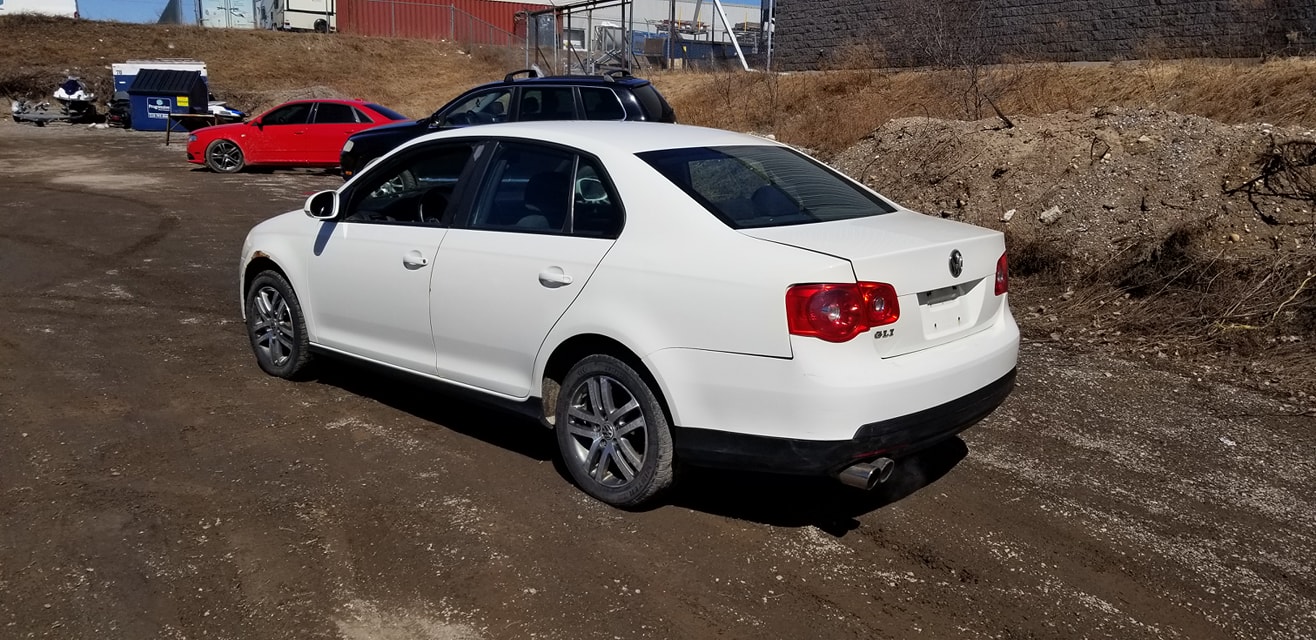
(601, 104)
(548, 103)
(764, 186)
(482, 108)
(299, 113)
(334, 113)
(595, 211)
(386, 112)
(361, 116)
(527, 188)
(415, 188)
(655, 107)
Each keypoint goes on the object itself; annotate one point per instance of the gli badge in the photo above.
(956, 263)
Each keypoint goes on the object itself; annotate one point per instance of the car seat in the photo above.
(432, 206)
(529, 108)
(546, 201)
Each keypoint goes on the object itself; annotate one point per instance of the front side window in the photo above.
(334, 113)
(482, 108)
(764, 186)
(415, 188)
(299, 113)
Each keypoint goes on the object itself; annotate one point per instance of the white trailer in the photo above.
(66, 8)
(300, 15)
(227, 14)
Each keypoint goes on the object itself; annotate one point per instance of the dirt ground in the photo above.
(155, 484)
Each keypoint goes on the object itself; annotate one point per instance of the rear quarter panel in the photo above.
(679, 278)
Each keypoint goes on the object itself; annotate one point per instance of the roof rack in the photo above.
(612, 74)
(529, 73)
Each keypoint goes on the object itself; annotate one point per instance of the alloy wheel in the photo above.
(606, 427)
(273, 332)
(225, 156)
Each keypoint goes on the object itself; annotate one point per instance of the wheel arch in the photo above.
(573, 350)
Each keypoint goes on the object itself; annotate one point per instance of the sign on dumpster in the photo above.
(159, 108)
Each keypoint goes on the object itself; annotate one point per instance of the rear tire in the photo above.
(276, 327)
(613, 433)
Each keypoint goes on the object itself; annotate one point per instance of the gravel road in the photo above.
(154, 484)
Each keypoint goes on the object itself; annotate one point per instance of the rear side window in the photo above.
(334, 113)
(601, 104)
(764, 186)
(655, 107)
(548, 103)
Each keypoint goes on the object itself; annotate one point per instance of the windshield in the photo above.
(764, 186)
(386, 112)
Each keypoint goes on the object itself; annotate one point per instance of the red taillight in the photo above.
(1002, 275)
(839, 312)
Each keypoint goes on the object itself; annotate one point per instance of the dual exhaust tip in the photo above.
(867, 475)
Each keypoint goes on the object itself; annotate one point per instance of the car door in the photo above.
(332, 123)
(371, 268)
(510, 268)
(281, 132)
(484, 107)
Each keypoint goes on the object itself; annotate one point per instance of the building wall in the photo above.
(817, 33)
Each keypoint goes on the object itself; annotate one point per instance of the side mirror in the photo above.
(322, 206)
(258, 124)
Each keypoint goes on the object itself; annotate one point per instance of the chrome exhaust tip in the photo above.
(867, 475)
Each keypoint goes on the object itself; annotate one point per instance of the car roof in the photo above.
(624, 137)
(584, 80)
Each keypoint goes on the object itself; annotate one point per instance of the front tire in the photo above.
(613, 433)
(276, 326)
(225, 156)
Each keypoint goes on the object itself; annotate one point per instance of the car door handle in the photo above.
(554, 277)
(414, 260)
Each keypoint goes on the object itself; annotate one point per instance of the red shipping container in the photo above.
(467, 21)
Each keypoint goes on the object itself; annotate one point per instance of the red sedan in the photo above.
(305, 133)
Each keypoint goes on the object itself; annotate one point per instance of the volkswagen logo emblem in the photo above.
(956, 263)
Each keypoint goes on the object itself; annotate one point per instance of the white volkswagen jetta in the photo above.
(655, 293)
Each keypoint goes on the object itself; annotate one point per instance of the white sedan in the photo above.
(654, 293)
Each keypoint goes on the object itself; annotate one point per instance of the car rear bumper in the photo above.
(829, 403)
(894, 438)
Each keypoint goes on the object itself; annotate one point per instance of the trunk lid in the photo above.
(913, 253)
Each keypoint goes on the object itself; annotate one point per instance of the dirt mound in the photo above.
(1168, 235)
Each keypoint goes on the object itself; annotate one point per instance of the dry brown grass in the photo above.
(830, 110)
(256, 69)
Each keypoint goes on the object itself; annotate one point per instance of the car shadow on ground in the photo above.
(792, 501)
(778, 500)
(443, 406)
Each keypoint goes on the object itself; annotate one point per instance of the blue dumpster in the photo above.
(157, 93)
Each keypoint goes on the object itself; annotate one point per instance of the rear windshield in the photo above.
(655, 107)
(750, 187)
(386, 112)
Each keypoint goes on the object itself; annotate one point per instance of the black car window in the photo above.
(764, 186)
(601, 104)
(361, 115)
(547, 103)
(527, 188)
(655, 107)
(486, 107)
(334, 113)
(298, 113)
(414, 188)
(595, 210)
(385, 111)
